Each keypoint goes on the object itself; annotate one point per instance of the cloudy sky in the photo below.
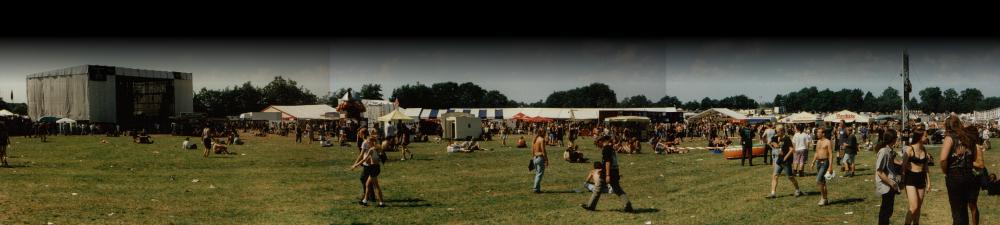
(531, 69)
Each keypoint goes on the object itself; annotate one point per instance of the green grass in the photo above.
(280, 182)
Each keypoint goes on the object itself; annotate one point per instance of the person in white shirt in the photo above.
(801, 142)
(986, 138)
(187, 144)
(768, 134)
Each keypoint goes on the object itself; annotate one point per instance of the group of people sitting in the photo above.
(666, 146)
(573, 155)
(141, 137)
(464, 147)
(217, 146)
(627, 146)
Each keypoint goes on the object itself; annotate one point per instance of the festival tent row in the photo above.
(551, 113)
(846, 116)
(301, 112)
(721, 114)
(802, 117)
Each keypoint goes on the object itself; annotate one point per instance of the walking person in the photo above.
(959, 156)
(611, 176)
(782, 161)
(746, 140)
(4, 144)
(915, 177)
(539, 158)
(824, 153)
(298, 135)
(851, 146)
(841, 141)
(772, 152)
(503, 134)
(887, 172)
(801, 142)
(370, 159)
(206, 139)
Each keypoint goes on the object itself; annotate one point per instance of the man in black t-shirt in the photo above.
(851, 146)
(746, 141)
(783, 161)
(612, 178)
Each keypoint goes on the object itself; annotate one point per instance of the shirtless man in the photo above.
(539, 159)
(824, 152)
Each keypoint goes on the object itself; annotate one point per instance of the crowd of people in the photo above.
(902, 161)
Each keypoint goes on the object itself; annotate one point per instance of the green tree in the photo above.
(637, 101)
(931, 100)
(890, 100)
(970, 98)
(951, 100)
(669, 101)
(596, 95)
(371, 91)
(283, 91)
(692, 105)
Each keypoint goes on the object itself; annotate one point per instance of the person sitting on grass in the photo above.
(324, 142)
(521, 143)
(993, 188)
(661, 146)
(188, 145)
(219, 148)
(573, 155)
(472, 145)
(144, 138)
(454, 147)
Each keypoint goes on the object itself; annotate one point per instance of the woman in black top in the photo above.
(959, 154)
(915, 178)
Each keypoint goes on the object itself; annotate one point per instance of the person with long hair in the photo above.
(960, 154)
(915, 177)
(370, 159)
(539, 158)
(887, 166)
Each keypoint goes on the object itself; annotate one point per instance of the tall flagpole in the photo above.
(906, 87)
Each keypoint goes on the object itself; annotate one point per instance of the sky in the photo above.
(529, 69)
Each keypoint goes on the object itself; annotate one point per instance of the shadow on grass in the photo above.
(846, 201)
(558, 192)
(638, 210)
(15, 166)
(406, 200)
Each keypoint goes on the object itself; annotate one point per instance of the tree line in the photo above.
(931, 100)
(281, 91)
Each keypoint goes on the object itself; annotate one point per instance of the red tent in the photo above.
(519, 116)
(538, 119)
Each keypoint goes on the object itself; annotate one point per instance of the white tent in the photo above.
(846, 116)
(65, 120)
(301, 112)
(802, 117)
(728, 113)
(4, 112)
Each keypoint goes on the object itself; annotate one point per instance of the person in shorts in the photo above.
(783, 161)
(801, 141)
(851, 146)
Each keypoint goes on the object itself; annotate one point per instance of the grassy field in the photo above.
(272, 180)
